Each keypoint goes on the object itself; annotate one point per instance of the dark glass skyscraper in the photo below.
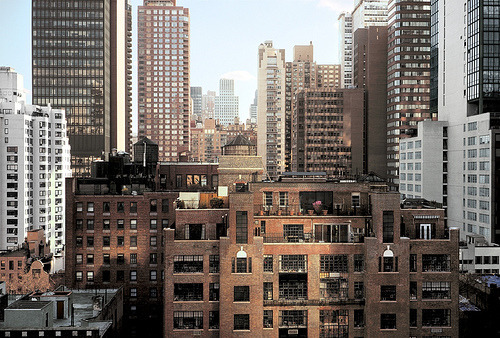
(81, 64)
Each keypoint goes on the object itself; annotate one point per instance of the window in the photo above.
(152, 241)
(133, 258)
(120, 275)
(188, 264)
(283, 198)
(413, 290)
(106, 276)
(133, 275)
(436, 317)
(90, 224)
(133, 207)
(413, 317)
(120, 207)
(359, 318)
(293, 263)
(213, 292)
(436, 290)
(106, 224)
(268, 198)
(268, 263)
(106, 241)
(268, 319)
(164, 223)
(79, 224)
(355, 200)
(120, 241)
(153, 258)
(106, 207)
(213, 266)
(268, 291)
(241, 293)
(133, 224)
(359, 263)
(435, 263)
(241, 265)
(194, 231)
(79, 259)
(153, 275)
(79, 276)
(388, 226)
(164, 205)
(333, 287)
(90, 276)
(153, 206)
(292, 318)
(188, 320)
(334, 263)
(90, 241)
(178, 181)
(90, 258)
(188, 292)
(106, 259)
(90, 206)
(359, 290)
(241, 227)
(213, 320)
(153, 292)
(120, 258)
(388, 293)
(293, 232)
(333, 323)
(242, 322)
(120, 224)
(388, 321)
(153, 224)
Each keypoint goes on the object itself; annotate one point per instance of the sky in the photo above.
(225, 36)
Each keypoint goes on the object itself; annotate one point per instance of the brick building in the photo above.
(274, 262)
(115, 223)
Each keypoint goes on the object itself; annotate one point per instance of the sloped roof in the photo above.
(240, 140)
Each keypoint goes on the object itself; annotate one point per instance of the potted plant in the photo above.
(318, 206)
(216, 203)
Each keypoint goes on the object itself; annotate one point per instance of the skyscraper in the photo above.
(196, 96)
(34, 162)
(408, 75)
(81, 58)
(208, 105)
(271, 108)
(253, 108)
(226, 103)
(369, 13)
(345, 49)
(163, 74)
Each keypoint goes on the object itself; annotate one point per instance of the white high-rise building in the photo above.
(345, 27)
(34, 162)
(208, 105)
(271, 80)
(369, 13)
(465, 92)
(366, 13)
(226, 103)
(253, 109)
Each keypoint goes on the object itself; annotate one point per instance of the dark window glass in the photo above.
(241, 227)
(242, 322)
(241, 293)
(388, 227)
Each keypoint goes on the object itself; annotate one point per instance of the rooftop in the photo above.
(28, 305)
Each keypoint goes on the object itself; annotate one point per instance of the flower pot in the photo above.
(279, 212)
(261, 213)
(292, 212)
(324, 212)
(310, 212)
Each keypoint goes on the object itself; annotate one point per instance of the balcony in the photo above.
(313, 302)
(301, 210)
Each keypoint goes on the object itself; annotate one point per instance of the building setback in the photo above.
(163, 73)
(89, 75)
(275, 263)
(327, 131)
